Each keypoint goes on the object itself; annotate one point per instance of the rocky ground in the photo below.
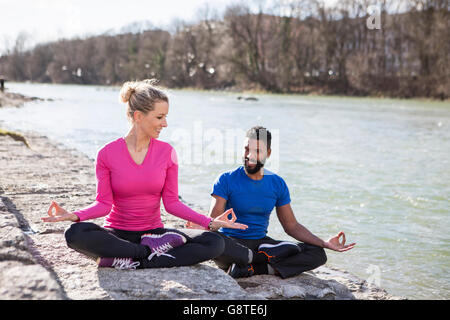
(35, 262)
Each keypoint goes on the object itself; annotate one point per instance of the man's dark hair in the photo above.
(260, 133)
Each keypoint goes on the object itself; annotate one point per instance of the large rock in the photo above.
(197, 282)
(20, 281)
(13, 244)
(20, 276)
(323, 283)
(304, 286)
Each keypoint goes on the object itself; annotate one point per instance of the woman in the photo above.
(133, 174)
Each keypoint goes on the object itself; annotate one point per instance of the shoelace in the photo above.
(158, 253)
(268, 256)
(163, 248)
(161, 251)
(125, 263)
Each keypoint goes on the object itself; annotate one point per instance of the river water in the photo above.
(377, 169)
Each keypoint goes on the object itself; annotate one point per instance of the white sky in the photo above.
(49, 20)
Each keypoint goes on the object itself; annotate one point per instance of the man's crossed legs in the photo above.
(247, 257)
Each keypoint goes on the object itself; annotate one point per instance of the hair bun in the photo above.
(127, 90)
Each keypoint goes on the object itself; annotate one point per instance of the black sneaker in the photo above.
(278, 251)
(236, 271)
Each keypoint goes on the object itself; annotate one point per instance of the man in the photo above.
(252, 192)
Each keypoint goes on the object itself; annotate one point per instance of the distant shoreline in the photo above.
(250, 92)
(21, 99)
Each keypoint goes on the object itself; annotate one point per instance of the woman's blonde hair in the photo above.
(141, 96)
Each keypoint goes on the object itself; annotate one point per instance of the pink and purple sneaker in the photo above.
(159, 244)
(118, 263)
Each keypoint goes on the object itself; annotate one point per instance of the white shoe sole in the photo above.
(277, 245)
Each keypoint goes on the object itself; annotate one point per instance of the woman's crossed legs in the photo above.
(98, 242)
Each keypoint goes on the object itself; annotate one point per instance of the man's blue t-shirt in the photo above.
(251, 200)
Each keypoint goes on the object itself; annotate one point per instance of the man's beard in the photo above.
(253, 170)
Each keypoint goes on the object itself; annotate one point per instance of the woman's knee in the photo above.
(74, 231)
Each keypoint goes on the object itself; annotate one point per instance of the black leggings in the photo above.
(95, 241)
(237, 251)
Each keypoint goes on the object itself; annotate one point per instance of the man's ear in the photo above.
(269, 151)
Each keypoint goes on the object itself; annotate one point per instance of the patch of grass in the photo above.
(16, 136)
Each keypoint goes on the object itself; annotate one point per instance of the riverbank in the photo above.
(11, 99)
(312, 91)
(37, 264)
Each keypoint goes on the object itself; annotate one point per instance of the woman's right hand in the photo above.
(56, 214)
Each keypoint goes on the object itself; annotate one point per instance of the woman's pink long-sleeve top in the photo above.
(129, 195)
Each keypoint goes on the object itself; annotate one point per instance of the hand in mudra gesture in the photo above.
(57, 213)
(221, 221)
(334, 243)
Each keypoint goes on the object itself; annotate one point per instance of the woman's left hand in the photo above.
(222, 221)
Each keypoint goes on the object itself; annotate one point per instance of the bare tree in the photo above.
(278, 46)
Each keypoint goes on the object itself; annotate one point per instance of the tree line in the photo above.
(300, 46)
